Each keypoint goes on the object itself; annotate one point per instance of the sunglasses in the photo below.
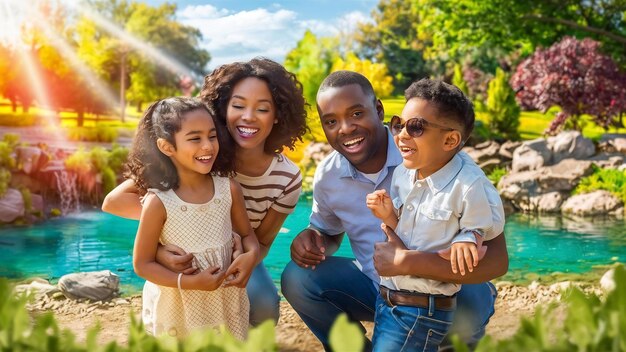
(414, 127)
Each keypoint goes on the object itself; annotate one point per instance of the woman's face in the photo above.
(251, 113)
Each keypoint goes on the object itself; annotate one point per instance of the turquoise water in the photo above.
(97, 241)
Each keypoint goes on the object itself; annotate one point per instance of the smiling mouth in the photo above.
(406, 151)
(205, 158)
(353, 143)
(247, 131)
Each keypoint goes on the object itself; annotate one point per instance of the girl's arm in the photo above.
(123, 201)
(243, 265)
(151, 222)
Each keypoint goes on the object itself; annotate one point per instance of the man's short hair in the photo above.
(344, 78)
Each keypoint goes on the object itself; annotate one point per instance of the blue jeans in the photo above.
(263, 296)
(403, 328)
(338, 286)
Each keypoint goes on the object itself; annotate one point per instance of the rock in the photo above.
(561, 286)
(533, 286)
(594, 203)
(548, 202)
(607, 281)
(565, 175)
(38, 287)
(531, 155)
(507, 149)
(570, 144)
(490, 164)
(608, 160)
(613, 142)
(28, 158)
(483, 151)
(11, 205)
(96, 286)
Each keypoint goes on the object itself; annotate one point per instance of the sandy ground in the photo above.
(291, 333)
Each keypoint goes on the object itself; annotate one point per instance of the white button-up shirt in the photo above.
(446, 207)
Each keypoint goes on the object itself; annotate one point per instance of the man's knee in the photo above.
(291, 281)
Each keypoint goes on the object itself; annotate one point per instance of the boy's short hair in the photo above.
(344, 78)
(450, 101)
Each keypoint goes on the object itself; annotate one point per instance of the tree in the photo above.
(502, 108)
(375, 72)
(117, 59)
(311, 61)
(458, 80)
(457, 27)
(574, 75)
(393, 39)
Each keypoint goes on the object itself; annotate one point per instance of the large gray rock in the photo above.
(531, 155)
(507, 148)
(11, 205)
(570, 144)
(96, 285)
(565, 175)
(613, 142)
(606, 160)
(548, 202)
(483, 151)
(28, 158)
(594, 203)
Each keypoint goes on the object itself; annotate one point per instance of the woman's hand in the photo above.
(207, 280)
(240, 270)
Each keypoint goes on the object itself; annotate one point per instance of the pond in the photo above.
(94, 240)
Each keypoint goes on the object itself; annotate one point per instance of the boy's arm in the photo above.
(123, 201)
(391, 258)
(382, 207)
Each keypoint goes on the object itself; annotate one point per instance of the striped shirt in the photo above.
(278, 188)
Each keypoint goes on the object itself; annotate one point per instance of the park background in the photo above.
(75, 77)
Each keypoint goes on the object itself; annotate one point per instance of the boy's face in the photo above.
(352, 123)
(432, 149)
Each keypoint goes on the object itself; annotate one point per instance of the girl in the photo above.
(190, 202)
(263, 108)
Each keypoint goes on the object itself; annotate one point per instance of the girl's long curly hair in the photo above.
(148, 166)
(286, 91)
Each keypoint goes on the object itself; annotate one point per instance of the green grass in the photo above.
(393, 106)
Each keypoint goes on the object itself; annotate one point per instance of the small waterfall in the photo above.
(68, 191)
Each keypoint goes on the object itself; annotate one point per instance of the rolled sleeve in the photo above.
(482, 211)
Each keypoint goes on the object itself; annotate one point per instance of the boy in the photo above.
(320, 285)
(442, 200)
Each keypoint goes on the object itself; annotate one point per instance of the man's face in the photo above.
(352, 123)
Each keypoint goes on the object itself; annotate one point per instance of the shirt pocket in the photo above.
(432, 224)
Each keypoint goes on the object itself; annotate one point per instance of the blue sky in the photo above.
(241, 30)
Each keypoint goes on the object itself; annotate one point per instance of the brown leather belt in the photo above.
(415, 299)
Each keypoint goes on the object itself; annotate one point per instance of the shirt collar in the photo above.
(442, 177)
(393, 158)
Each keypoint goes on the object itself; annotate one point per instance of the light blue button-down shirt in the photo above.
(339, 206)
(441, 209)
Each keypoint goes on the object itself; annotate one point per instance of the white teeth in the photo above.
(206, 157)
(353, 141)
(246, 130)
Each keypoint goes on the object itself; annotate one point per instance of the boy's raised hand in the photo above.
(308, 248)
(380, 204)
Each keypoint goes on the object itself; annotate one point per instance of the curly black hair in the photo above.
(450, 101)
(148, 166)
(286, 91)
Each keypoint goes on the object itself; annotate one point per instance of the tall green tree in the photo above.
(311, 61)
(376, 73)
(502, 108)
(394, 39)
(458, 27)
(117, 60)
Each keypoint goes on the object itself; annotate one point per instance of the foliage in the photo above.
(459, 27)
(345, 336)
(311, 61)
(7, 161)
(502, 108)
(459, 81)
(477, 82)
(611, 180)
(99, 133)
(575, 76)
(591, 324)
(96, 170)
(28, 199)
(394, 40)
(376, 73)
(496, 174)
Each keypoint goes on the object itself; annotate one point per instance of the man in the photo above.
(319, 286)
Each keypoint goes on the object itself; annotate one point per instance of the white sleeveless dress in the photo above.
(206, 231)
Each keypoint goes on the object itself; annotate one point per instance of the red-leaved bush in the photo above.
(574, 75)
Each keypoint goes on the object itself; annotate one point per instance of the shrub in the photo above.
(610, 180)
(502, 108)
(496, 174)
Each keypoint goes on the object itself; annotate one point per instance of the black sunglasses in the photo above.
(414, 127)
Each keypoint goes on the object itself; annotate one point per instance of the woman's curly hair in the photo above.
(148, 166)
(286, 91)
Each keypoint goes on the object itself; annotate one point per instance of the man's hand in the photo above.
(388, 255)
(308, 248)
(240, 269)
(175, 259)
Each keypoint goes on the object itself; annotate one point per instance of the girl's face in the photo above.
(196, 143)
(251, 113)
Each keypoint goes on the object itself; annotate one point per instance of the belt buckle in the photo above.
(386, 297)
